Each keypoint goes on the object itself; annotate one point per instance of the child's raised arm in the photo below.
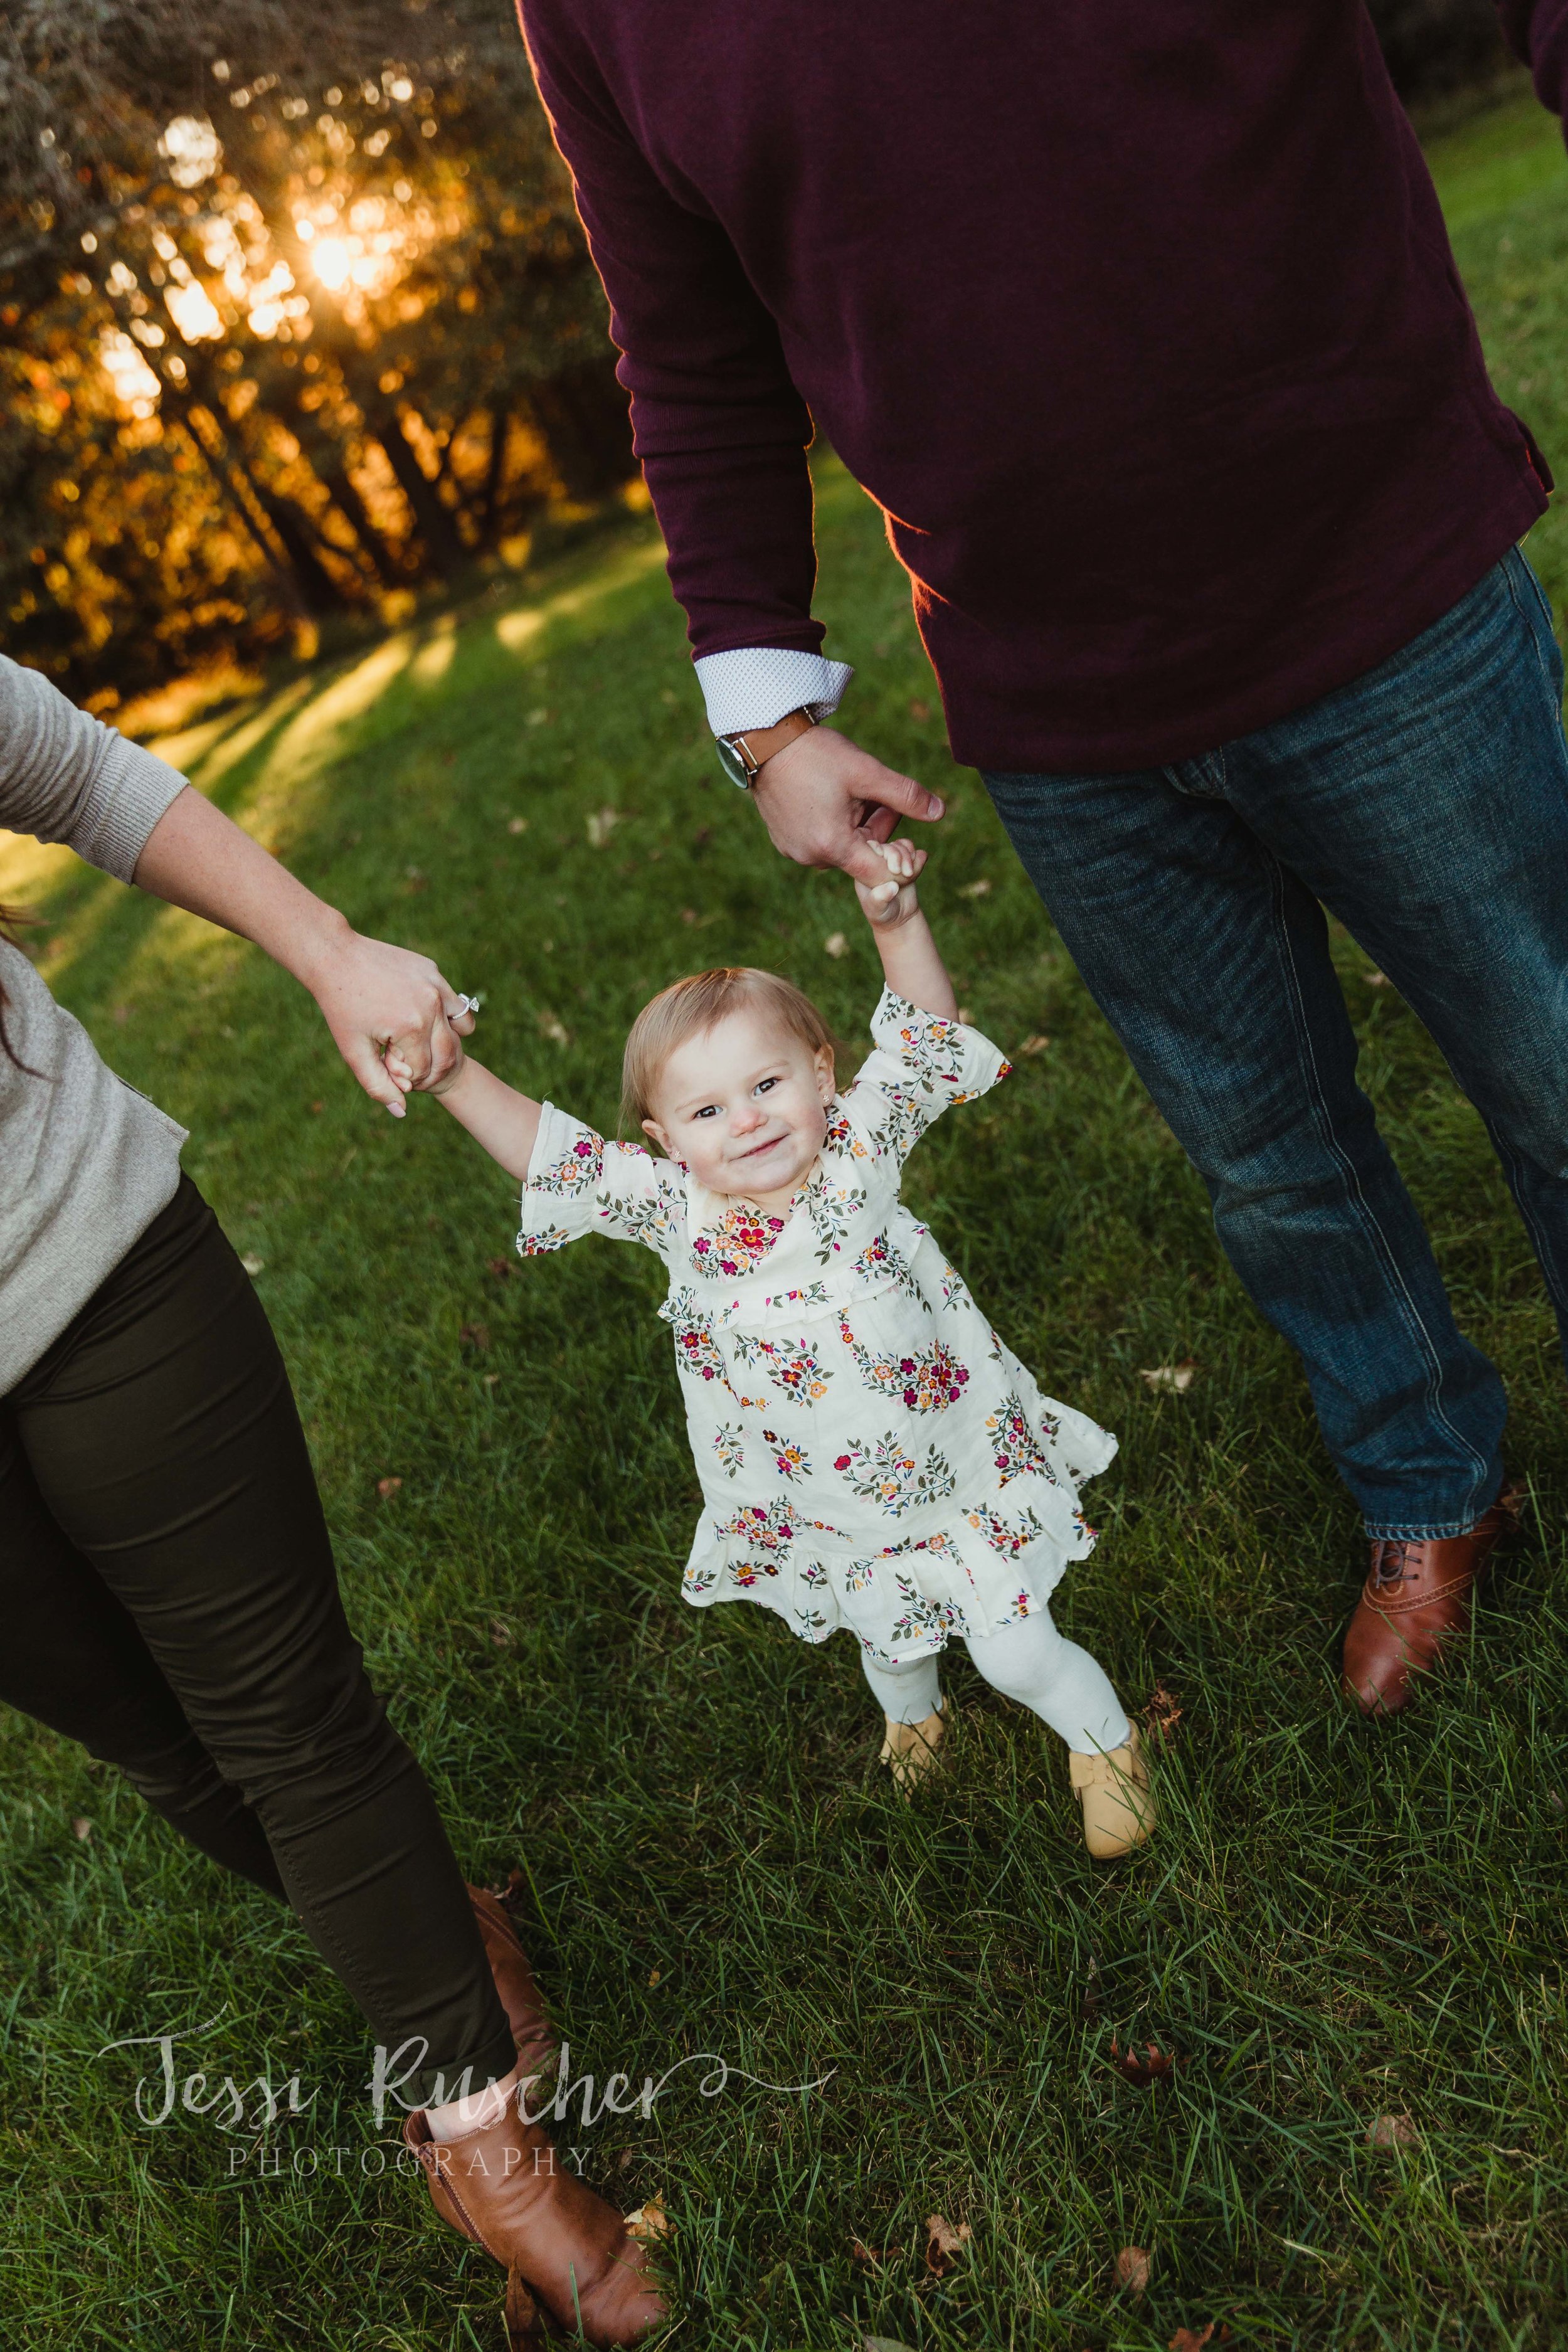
(911, 963)
(495, 1114)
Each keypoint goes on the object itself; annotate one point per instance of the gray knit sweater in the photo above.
(86, 1162)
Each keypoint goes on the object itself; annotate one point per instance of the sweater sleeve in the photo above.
(1537, 32)
(65, 776)
(718, 427)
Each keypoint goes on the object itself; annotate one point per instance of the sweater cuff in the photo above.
(753, 687)
(132, 791)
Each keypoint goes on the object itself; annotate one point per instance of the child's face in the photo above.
(744, 1106)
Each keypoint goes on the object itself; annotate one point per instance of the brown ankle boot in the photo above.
(531, 2031)
(504, 2186)
(1416, 1600)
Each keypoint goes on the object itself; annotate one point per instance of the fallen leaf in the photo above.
(653, 1974)
(835, 944)
(252, 1263)
(869, 2258)
(317, 1107)
(601, 824)
(966, 1018)
(387, 1486)
(81, 1828)
(649, 2223)
(700, 839)
(501, 1635)
(919, 710)
(122, 1014)
(1391, 2131)
(1035, 1044)
(624, 2159)
(688, 914)
(1178, 1377)
(944, 2243)
(882, 2344)
(551, 1025)
(474, 1335)
(491, 1379)
(1183, 2340)
(539, 717)
(1133, 2267)
(980, 889)
(500, 1267)
(1142, 2073)
(416, 880)
(1161, 1715)
(517, 824)
(1377, 979)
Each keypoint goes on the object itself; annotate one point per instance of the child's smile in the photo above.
(745, 1107)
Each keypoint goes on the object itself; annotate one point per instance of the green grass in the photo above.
(1332, 1926)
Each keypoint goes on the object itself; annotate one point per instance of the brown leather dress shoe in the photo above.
(504, 2186)
(1417, 1599)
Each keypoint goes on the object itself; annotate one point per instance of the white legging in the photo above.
(1028, 1661)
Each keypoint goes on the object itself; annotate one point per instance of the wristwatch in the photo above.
(743, 757)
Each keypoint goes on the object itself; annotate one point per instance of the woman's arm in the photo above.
(371, 994)
(911, 964)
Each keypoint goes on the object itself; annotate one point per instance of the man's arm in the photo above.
(722, 433)
(1537, 32)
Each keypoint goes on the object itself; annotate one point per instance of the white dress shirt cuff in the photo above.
(753, 687)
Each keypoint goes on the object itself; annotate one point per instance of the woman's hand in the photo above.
(393, 1017)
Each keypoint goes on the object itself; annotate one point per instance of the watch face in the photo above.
(729, 759)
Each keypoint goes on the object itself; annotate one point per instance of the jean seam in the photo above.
(1513, 1162)
(1398, 1289)
(1554, 700)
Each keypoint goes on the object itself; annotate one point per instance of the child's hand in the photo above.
(402, 1076)
(888, 904)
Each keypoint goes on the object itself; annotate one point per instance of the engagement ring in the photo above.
(464, 1004)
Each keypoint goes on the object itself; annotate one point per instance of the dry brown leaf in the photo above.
(944, 2243)
(1391, 2131)
(1037, 1044)
(387, 1487)
(869, 2258)
(835, 945)
(601, 824)
(1142, 2071)
(688, 914)
(517, 824)
(1176, 1378)
(417, 881)
(539, 717)
(551, 1025)
(1185, 2340)
(919, 711)
(1377, 979)
(980, 889)
(500, 1267)
(81, 1828)
(1162, 1715)
(474, 1335)
(653, 1974)
(1133, 2267)
(624, 2159)
(317, 1109)
(501, 1634)
(649, 2223)
(252, 1263)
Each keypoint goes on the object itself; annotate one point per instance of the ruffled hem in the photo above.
(973, 1570)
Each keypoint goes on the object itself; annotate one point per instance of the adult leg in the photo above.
(73, 1658)
(163, 1444)
(1210, 958)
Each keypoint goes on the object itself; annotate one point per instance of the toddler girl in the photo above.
(870, 1454)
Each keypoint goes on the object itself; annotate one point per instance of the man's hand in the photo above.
(826, 802)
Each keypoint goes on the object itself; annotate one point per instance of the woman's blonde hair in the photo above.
(690, 1008)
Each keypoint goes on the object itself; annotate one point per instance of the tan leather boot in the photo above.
(531, 2031)
(1119, 1812)
(504, 2186)
(1416, 1603)
(910, 1751)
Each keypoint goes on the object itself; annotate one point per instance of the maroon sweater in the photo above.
(1139, 322)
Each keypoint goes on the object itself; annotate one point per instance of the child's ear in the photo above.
(827, 1077)
(652, 1127)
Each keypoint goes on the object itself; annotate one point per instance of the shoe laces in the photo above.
(1389, 1563)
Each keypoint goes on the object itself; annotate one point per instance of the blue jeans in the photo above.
(1426, 804)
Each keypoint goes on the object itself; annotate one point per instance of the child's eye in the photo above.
(709, 1110)
(764, 1084)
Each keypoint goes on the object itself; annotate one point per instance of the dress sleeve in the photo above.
(919, 1065)
(577, 1184)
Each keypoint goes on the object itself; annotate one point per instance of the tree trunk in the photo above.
(584, 418)
(444, 547)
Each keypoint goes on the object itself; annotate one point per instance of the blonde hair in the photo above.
(691, 1007)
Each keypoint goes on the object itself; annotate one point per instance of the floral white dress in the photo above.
(871, 1455)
